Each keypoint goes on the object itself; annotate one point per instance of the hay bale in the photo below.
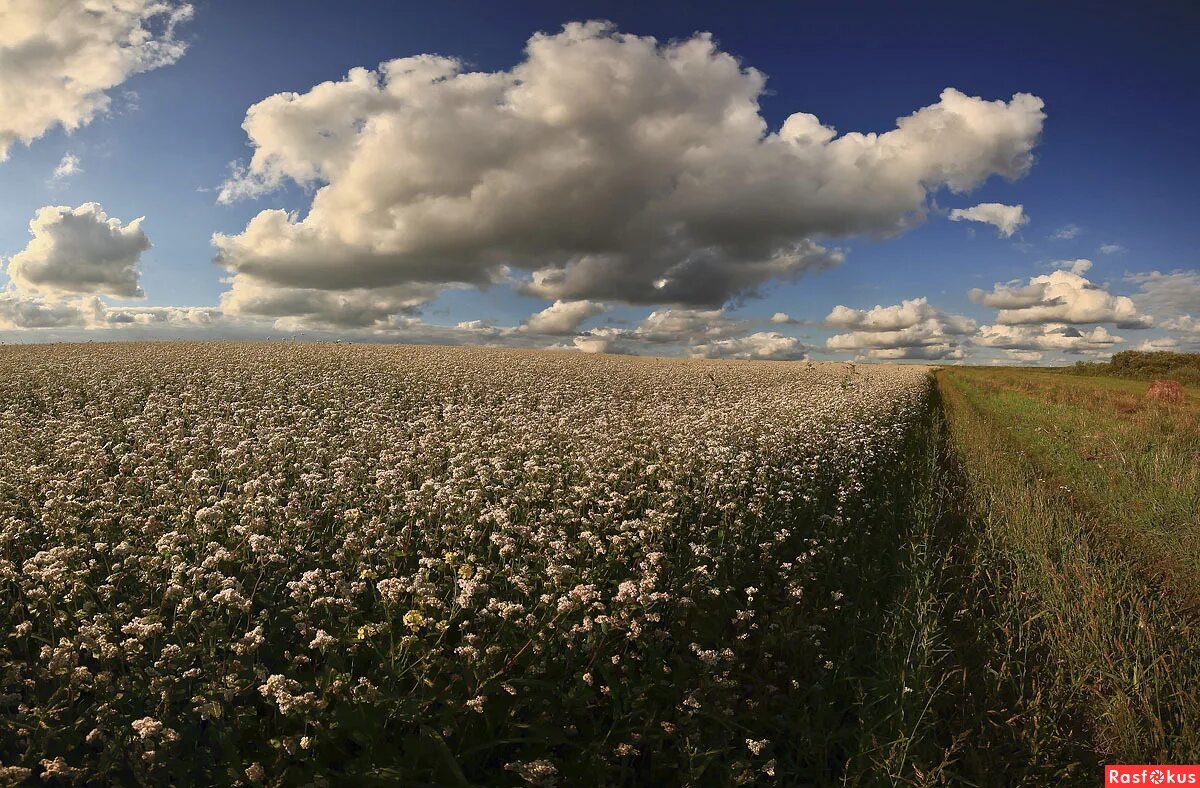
(1165, 392)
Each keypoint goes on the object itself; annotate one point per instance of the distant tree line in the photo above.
(1183, 367)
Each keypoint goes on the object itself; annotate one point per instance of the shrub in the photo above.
(1182, 367)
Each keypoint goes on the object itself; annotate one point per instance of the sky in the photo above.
(862, 181)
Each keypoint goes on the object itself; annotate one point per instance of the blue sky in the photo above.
(1116, 159)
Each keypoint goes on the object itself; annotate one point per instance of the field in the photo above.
(289, 564)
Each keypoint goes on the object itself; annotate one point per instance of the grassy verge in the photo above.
(1081, 565)
(1100, 445)
(962, 694)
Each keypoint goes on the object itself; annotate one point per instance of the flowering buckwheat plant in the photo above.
(286, 564)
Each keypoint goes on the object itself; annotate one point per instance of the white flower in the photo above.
(322, 641)
(56, 767)
(757, 747)
(147, 727)
(541, 773)
(348, 515)
(390, 590)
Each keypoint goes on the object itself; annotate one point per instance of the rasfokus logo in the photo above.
(1152, 775)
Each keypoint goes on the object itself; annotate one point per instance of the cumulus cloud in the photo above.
(1011, 295)
(1184, 323)
(59, 57)
(1063, 296)
(700, 278)
(1054, 336)
(603, 340)
(1066, 232)
(1111, 248)
(162, 315)
(1170, 294)
(1080, 266)
(1162, 343)
(80, 251)
(762, 345)
(912, 329)
(708, 333)
(602, 167)
(783, 319)
(926, 334)
(360, 307)
(19, 311)
(1007, 219)
(906, 314)
(939, 352)
(67, 166)
(667, 326)
(563, 317)
(1023, 355)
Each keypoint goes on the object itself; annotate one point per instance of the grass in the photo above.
(1085, 501)
(1045, 621)
(1101, 446)
(972, 677)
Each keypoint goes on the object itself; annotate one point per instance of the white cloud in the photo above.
(1111, 248)
(1054, 336)
(663, 326)
(59, 57)
(939, 352)
(1010, 295)
(361, 307)
(912, 329)
(1185, 323)
(1066, 232)
(925, 333)
(1162, 343)
(1007, 219)
(763, 345)
(603, 340)
(1168, 295)
(21, 312)
(89, 313)
(1024, 355)
(563, 317)
(1063, 296)
(1078, 267)
(68, 166)
(80, 251)
(710, 333)
(162, 315)
(606, 166)
(906, 314)
(783, 319)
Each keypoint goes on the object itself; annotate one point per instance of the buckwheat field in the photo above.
(331, 564)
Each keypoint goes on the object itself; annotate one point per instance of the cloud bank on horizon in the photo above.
(604, 171)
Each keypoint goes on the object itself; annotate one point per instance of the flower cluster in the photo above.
(282, 563)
